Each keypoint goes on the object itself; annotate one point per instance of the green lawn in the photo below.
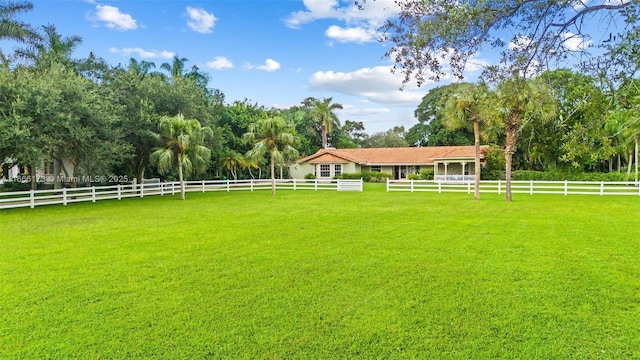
(319, 275)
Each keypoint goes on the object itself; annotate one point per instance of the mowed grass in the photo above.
(319, 275)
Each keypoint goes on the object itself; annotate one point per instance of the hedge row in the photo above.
(366, 176)
(556, 176)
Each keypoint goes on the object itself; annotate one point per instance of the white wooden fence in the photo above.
(523, 187)
(65, 196)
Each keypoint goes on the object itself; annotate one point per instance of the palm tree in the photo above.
(520, 101)
(12, 29)
(322, 112)
(230, 161)
(183, 141)
(140, 68)
(50, 47)
(625, 126)
(463, 109)
(272, 135)
(177, 71)
(175, 68)
(249, 164)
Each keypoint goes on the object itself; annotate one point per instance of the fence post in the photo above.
(316, 184)
(173, 188)
(64, 196)
(531, 187)
(294, 184)
(203, 185)
(119, 192)
(228, 189)
(601, 188)
(411, 185)
(141, 190)
(93, 194)
(566, 187)
(468, 186)
(161, 189)
(499, 186)
(32, 199)
(387, 184)
(439, 187)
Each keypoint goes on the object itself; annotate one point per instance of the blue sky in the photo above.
(273, 52)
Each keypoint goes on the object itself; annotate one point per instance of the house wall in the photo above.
(63, 171)
(455, 168)
(299, 171)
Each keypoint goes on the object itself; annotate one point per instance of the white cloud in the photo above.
(200, 20)
(351, 110)
(269, 65)
(376, 84)
(113, 18)
(361, 23)
(142, 53)
(575, 42)
(219, 63)
(519, 43)
(373, 12)
(356, 34)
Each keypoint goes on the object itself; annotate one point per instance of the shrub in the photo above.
(555, 175)
(310, 176)
(495, 160)
(427, 174)
(366, 176)
(412, 176)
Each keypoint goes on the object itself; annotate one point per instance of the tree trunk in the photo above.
(140, 175)
(629, 164)
(476, 135)
(510, 149)
(34, 181)
(180, 176)
(636, 156)
(273, 177)
(323, 129)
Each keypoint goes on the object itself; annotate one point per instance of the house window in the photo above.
(411, 169)
(376, 168)
(48, 167)
(337, 169)
(403, 172)
(325, 170)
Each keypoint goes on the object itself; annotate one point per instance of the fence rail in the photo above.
(66, 196)
(523, 187)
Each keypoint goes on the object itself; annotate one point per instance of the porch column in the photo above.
(446, 165)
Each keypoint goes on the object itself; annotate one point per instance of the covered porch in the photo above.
(454, 170)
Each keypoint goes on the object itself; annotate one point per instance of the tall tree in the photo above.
(10, 27)
(323, 112)
(54, 113)
(272, 135)
(391, 138)
(430, 131)
(51, 47)
(519, 102)
(432, 38)
(464, 109)
(183, 141)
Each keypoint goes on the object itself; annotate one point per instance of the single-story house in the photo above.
(450, 163)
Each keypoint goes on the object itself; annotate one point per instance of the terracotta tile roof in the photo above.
(328, 158)
(396, 156)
